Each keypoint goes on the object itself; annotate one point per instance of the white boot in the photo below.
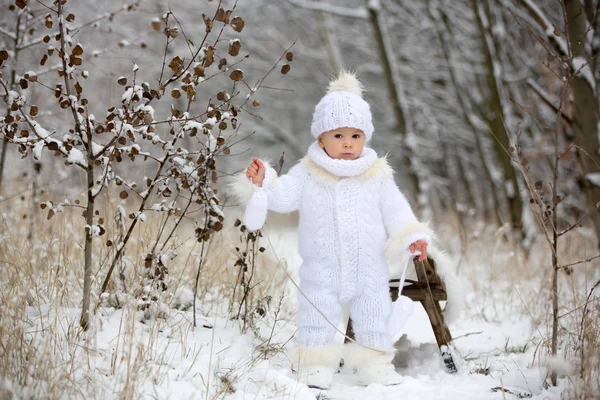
(372, 366)
(317, 365)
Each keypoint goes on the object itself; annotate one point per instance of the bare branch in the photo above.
(546, 26)
(581, 261)
(358, 12)
(10, 34)
(108, 15)
(544, 96)
(575, 225)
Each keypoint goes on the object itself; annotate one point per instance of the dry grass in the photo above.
(509, 281)
(43, 352)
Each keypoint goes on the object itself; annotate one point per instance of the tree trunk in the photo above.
(12, 84)
(3, 159)
(496, 123)
(403, 126)
(465, 108)
(585, 118)
(333, 48)
(89, 220)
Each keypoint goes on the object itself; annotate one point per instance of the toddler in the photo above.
(351, 215)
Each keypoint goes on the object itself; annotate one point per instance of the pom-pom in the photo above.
(346, 81)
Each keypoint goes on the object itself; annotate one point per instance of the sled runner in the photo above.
(429, 290)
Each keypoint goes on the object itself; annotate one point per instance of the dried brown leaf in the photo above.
(208, 22)
(176, 64)
(237, 75)
(21, 4)
(285, 69)
(289, 56)
(199, 70)
(220, 16)
(234, 47)
(237, 23)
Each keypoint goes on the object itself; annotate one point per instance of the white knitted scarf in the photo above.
(342, 168)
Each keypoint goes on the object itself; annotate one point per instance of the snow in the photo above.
(593, 178)
(210, 122)
(179, 161)
(37, 150)
(582, 67)
(211, 142)
(12, 96)
(96, 149)
(76, 157)
(95, 229)
(189, 362)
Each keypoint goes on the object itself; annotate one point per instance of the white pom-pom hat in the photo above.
(343, 107)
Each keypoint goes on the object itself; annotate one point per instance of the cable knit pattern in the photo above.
(348, 209)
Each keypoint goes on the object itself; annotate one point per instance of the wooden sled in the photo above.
(429, 289)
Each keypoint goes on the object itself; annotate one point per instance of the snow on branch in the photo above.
(549, 29)
(8, 33)
(582, 68)
(546, 98)
(355, 12)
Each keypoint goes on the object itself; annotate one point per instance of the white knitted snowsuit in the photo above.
(348, 209)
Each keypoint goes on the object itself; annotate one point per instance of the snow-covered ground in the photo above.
(501, 338)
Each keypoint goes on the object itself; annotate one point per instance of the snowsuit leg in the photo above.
(313, 329)
(370, 311)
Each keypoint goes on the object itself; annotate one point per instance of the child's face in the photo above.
(343, 143)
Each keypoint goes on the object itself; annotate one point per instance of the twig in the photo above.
(581, 262)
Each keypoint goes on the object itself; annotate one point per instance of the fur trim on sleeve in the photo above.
(242, 188)
(255, 215)
(400, 241)
(253, 197)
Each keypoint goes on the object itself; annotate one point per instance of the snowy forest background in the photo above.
(113, 193)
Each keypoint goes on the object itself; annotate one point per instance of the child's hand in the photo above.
(256, 172)
(419, 245)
